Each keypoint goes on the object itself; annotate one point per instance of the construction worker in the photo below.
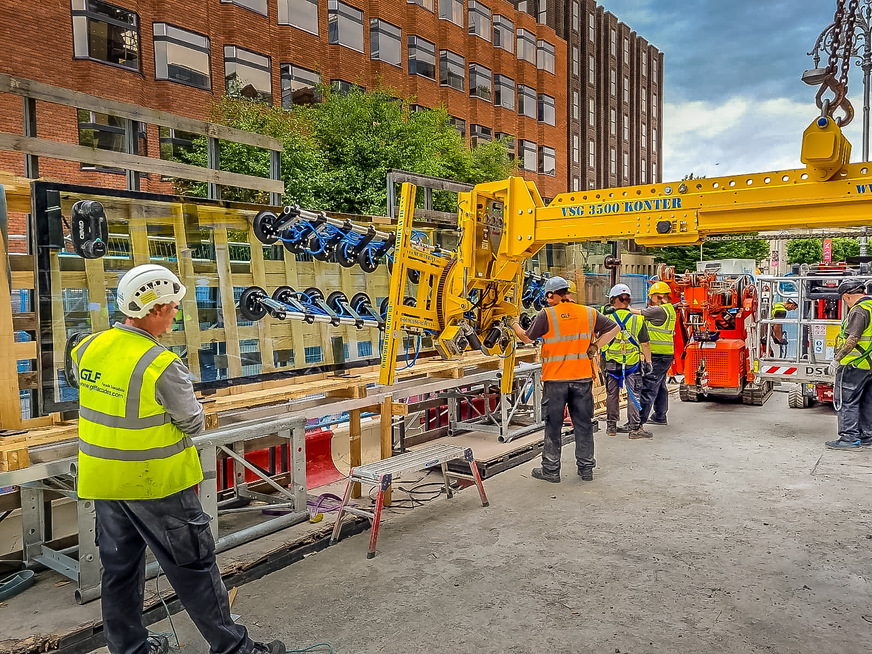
(779, 312)
(137, 462)
(852, 365)
(660, 318)
(571, 337)
(628, 359)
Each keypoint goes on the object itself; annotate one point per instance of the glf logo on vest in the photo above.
(89, 375)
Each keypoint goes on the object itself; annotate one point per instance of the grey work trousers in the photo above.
(633, 382)
(578, 396)
(654, 394)
(176, 530)
(854, 390)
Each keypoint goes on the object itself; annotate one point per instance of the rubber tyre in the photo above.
(687, 395)
(334, 299)
(261, 220)
(796, 399)
(249, 307)
(360, 303)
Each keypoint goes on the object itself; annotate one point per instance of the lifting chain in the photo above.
(843, 24)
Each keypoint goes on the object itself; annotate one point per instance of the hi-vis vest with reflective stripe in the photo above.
(662, 337)
(622, 349)
(860, 356)
(128, 447)
(564, 345)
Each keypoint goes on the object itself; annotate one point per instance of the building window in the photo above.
(542, 13)
(654, 105)
(521, 5)
(527, 155)
(480, 82)
(459, 124)
(480, 133)
(644, 173)
(644, 141)
(174, 144)
(613, 122)
(314, 354)
(526, 46)
(626, 49)
(644, 102)
(654, 139)
(653, 172)
(427, 4)
(504, 88)
(591, 70)
(546, 109)
(302, 14)
(479, 20)
(527, 104)
(342, 87)
(654, 65)
(344, 25)
(547, 161)
(364, 348)
(591, 154)
(545, 56)
(613, 47)
(105, 32)
(644, 64)
(101, 131)
(452, 70)
(181, 56)
(504, 33)
(575, 15)
(626, 166)
(627, 89)
(576, 65)
(385, 42)
(626, 128)
(576, 186)
(613, 161)
(451, 10)
(283, 358)
(613, 83)
(575, 108)
(257, 6)
(247, 74)
(509, 142)
(576, 148)
(299, 86)
(591, 112)
(591, 28)
(422, 58)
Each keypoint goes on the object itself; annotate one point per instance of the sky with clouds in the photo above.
(733, 98)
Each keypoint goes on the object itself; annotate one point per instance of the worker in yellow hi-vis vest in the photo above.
(660, 318)
(137, 462)
(852, 364)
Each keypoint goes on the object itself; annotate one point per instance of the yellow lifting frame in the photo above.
(503, 223)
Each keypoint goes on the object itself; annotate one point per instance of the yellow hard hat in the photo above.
(659, 287)
(571, 286)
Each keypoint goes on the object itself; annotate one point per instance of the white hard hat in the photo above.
(620, 289)
(144, 286)
(556, 283)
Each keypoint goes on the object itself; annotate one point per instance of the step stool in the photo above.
(381, 474)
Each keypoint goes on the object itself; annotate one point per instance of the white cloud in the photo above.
(738, 136)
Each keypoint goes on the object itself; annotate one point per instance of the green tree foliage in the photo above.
(337, 152)
(811, 250)
(685, 257)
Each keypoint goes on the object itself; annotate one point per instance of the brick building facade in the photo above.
(500, 68)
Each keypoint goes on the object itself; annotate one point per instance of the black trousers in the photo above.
(177, 531)
(854, 388)
(578, 396)
(654, 393)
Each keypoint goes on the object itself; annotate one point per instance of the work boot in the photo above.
(538, 473)
(157, 644)
(272, 647)
(611, 430)
(624, 429)
(641, 432)
(843, 445)
(586, 473)
(866, 442)
(655, 421)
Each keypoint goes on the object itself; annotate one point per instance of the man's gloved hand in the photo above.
(647, 368)
(832, 368)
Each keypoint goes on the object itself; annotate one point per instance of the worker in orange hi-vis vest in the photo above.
(571, 337)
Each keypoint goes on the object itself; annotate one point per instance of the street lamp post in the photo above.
(862, 52)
